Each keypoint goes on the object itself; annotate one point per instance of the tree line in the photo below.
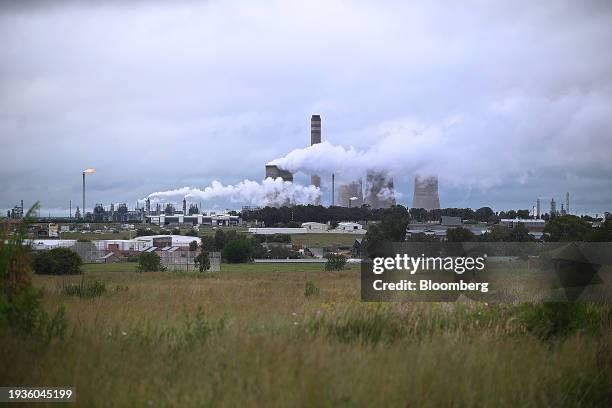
(295, 215)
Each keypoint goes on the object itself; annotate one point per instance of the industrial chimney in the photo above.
(315, 137)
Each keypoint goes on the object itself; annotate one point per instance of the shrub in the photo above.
(558, 319)
(88, 290)
(311, 289)
(193, 246)
(202, 261)
(283, 238)
(143, 232)
(149, 262)
(335, 262)
(208, 243)
(58, 261)
(20, 303)
(238, 251)
(192, 233)
(460, 234)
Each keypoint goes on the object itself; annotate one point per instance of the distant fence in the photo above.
(184, 261)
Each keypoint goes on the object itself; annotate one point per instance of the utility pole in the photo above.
(86, 171)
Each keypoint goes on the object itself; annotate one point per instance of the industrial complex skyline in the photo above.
(504, 102)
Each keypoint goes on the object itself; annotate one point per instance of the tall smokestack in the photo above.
(315, 137)
(315, 129)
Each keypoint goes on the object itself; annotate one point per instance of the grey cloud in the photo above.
(160, 95)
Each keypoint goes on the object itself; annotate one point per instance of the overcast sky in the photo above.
(161, 95)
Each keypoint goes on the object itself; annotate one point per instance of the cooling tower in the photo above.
(379, 190)
(426, 193)
(274, 172)
(348, 191)
(315, 137)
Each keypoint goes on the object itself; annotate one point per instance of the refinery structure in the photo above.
(376, 190)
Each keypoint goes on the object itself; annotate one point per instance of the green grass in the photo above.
(110, 267)
(253, 335)
(324, 240)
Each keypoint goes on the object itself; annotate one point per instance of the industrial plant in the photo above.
(378, 191)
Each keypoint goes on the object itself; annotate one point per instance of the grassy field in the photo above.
(251, 336)
(324, 240)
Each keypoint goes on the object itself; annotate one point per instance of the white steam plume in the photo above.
(403, 150)
(269, 192)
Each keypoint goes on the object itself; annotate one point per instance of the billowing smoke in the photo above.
(512, 141)
(398, 152)
(272, 192)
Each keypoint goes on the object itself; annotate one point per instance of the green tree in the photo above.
(20, 303)
(202, 261)
(149, 262)
(394, 227)
(208, 243)
(192, 233)
(567, 228)
(335, 262)
(193, 246)
(219, 239)
(459, 234)
(284, 238)
(498, 233)
(374, 241)
(141, 232)
(603, 233)
(238, 251)
(58, 261)
(485, 214)
(519, 234)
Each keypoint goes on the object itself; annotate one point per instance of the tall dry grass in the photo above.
(250, 337)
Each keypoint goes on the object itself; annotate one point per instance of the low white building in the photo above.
(349, 227)
(174, 240)
(271, 231)
(315, 226)
(213, 220)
